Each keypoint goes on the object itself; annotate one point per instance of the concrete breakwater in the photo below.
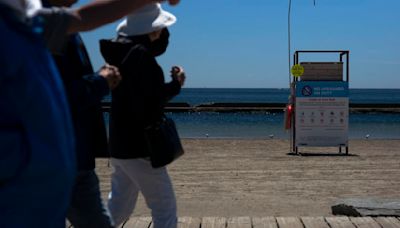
(263, 107)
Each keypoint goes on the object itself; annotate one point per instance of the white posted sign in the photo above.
(321, 113)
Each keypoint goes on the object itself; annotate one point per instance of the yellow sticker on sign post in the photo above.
(297, 70)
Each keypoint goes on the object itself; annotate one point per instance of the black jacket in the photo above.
(139, 99)
(85, 90)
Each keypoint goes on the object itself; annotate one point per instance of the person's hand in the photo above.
(111, 74)
(177, 73)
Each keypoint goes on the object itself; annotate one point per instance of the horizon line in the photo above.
(267, 88)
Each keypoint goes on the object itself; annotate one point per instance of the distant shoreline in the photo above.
(262, 107)
(272, 88)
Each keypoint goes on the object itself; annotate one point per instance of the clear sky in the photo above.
(244, 44)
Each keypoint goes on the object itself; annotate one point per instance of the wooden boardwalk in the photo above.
(274, 222)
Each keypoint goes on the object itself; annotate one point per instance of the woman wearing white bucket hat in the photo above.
(138, 102)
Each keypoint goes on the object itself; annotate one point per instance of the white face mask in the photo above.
(25, 6)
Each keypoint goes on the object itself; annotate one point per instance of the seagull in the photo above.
(367, 136)
(271, 136)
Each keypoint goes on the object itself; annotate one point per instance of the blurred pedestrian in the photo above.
(37, 162)
(85, 90)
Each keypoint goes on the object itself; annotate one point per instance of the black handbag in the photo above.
(163, 142)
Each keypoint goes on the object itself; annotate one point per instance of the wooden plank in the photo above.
(388, 222)
(271, 222)
(264, 222)
(339, 222)
(213, 222)
(239, 222)
(189, 222)
(364, 222)
(138, 222)
(289, 222)
(314, 222)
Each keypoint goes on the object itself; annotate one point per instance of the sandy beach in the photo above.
(244, 177)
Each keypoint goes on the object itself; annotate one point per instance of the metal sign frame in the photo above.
(343, 58)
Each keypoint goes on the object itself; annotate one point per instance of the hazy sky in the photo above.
(244, 44)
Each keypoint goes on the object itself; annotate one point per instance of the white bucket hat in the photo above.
(147, 19)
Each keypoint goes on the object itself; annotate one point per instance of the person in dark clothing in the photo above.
(138, 102)
(85, 90)
(37, 159)
(37, 163)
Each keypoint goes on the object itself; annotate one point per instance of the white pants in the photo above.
(133, 175)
